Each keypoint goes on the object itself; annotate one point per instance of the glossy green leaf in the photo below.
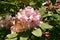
(11, 39)
(58, 11)
(45, 26)
(23, 38)
(56, 16)
(11, 35)
(32, 3)
(50, 13)
(37, 32)
(42, 10)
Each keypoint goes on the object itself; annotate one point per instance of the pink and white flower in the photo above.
(29, 17)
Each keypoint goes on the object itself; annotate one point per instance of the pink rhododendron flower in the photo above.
(7, 22)
(28, 18)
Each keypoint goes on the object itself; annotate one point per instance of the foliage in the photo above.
(48, 29)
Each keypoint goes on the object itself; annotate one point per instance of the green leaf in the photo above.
(37, 32)
(23, 38)
(56, 16)
(45, 26)
(42, 10)
(11, 35)
(32, 3)
(50, 13)
(11, 39)
(58, 11)
(12, 10)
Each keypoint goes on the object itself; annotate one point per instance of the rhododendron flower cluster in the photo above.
(50, 7)
(26, 19)
(6, 21)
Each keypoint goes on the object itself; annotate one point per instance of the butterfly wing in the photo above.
(19, 26)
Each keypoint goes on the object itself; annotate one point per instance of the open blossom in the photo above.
(26, 18)
(7, 22)
(2, 23)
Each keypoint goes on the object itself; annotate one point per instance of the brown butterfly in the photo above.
(19, 26)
